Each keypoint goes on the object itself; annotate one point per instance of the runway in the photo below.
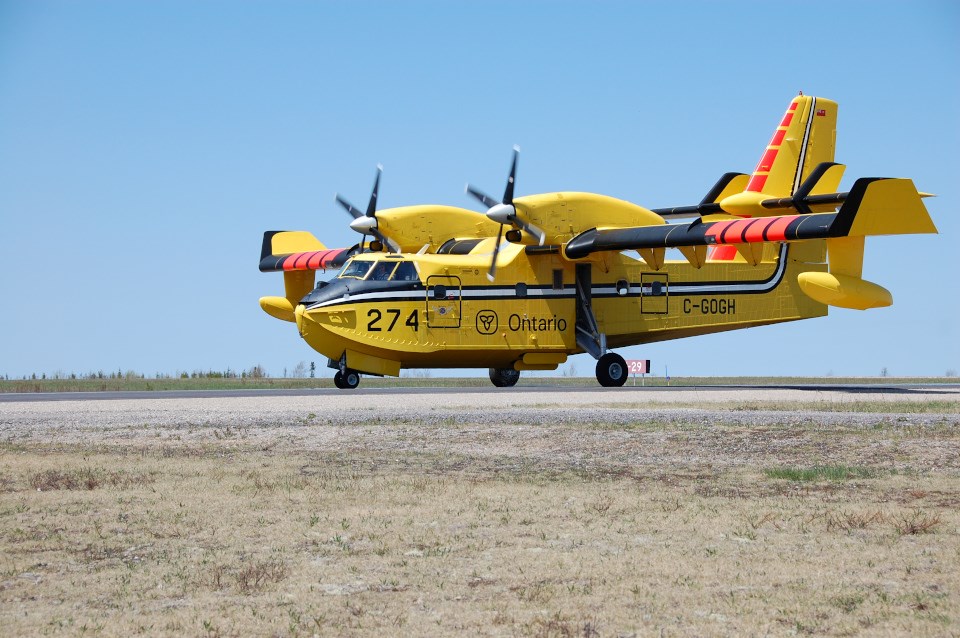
(626, 393)
(302, 414)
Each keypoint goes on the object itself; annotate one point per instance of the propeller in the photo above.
(365, 223)
(504, 212)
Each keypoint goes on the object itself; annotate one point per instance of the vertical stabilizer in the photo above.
(805, 137)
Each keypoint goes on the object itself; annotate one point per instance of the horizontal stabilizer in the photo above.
(878, 206)
(813, 196)
(728, 184)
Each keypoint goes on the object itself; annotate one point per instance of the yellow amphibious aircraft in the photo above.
(438, 288)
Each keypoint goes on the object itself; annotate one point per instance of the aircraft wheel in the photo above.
(338, 380)
(612, 370)
(504, 377)
(349, 380)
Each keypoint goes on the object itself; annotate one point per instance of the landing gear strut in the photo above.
(347, 380)
(611, 368)
(504, 377)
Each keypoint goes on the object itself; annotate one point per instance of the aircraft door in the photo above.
(654, 293)
(443, 301)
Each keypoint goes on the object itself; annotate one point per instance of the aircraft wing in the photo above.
(874, 206)
(313, 260)
(285, 251)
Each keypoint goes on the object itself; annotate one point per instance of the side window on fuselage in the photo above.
(381, 271)
(405, 271)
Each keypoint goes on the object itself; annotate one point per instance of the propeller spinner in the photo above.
(365, 223)
(504, 212)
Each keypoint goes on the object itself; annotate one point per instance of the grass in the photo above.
(85, 479)
(819, 473)
(577, 530)
(324, 381)
(923, 406)
(845, 403)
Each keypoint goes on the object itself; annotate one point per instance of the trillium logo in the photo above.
(487, 322)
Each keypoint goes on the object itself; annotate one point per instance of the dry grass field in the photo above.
(760, 520)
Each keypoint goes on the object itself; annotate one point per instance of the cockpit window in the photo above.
(382, 271)
(355, 269)
(406, 271)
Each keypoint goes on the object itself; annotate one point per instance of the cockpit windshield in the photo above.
(380, 271)
(355, 269)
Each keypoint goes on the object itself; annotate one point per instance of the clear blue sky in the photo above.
(145, 147)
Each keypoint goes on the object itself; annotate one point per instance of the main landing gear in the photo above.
(504, 377)
(612, 370)
(346, 380)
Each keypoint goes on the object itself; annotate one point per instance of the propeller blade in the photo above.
(349, 207)
(508, 191)
(389, 245)
(533, 230)
(485, 199)
(372, 206)
(492, 273)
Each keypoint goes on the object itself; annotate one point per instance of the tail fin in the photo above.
(805, 137)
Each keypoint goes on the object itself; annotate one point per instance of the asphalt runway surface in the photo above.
(628, 392)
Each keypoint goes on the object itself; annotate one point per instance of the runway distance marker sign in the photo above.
(638, 366)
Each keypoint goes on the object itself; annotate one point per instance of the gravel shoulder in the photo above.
(599, 429)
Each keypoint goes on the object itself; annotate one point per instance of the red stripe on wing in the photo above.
(717, 228)
(775, 232)
(331, 256)
(321, 258)
(755, 232)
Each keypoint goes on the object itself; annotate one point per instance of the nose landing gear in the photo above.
(347, 380)
(504, 377)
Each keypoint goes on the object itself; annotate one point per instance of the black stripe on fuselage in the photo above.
(598, 291)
